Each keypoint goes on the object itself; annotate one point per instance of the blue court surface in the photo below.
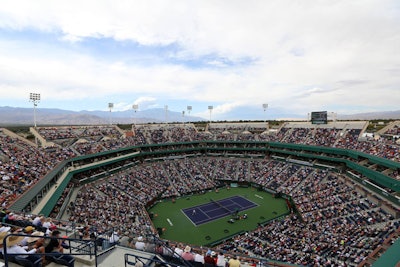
(216, 209)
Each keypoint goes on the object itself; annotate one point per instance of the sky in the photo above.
(296, 56)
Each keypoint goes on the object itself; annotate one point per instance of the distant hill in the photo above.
(383, 115)
(44, 116)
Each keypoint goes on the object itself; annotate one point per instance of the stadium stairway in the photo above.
(40, 138)
(65, 216)
(122, 133)
(388, 127)
(14, 135)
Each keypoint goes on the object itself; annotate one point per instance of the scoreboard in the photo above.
(319, 117)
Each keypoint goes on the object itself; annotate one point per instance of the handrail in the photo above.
(258, 260)
(158, 241)
(92, 251)
(138, 258)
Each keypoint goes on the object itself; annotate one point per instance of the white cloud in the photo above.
(218, 112)
(304, 54)
(145, 102)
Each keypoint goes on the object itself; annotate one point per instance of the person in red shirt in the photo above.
(209, 261)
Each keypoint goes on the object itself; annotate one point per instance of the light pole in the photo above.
(166, 113)
(183, 117)
(35, 98)
(135, 108)
(334, 118)
(210, 108)
(189, 109)
(110, 106)
(265, 106)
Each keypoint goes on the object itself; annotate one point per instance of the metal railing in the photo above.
(74, 247)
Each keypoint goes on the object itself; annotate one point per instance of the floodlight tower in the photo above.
(166, 113)
(265, 106)
(110, 106)
(189, 109)
(135, 108)
(210, 108)
(35, 99)
(183, 117)
(334, 118)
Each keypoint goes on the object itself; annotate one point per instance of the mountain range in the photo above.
(46, 116)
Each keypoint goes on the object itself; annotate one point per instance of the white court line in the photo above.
(259, 196)
(169, 221)
(184, 214)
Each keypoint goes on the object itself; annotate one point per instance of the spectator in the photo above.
(55, 248)
(114, 238)
(209, 260)
(199, 257)
(187, 254)
(13, 248)
(125, 240)
(140, 245)
(178, 251)
(221, 262)
(234, 262)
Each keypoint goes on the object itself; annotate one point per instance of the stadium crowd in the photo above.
(336, 224)
(347, 137)
(26, 238)
(22, 165)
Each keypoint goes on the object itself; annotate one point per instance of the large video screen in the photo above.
(319, 117)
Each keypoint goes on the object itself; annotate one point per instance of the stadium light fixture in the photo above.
(135, 108)
(166, 113)
(265, 106)
(35, 99)
(210, 108)
(110, 106)
(189, 109)
(333, 116)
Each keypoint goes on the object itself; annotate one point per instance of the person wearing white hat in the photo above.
(139, 245)
(13, 248)
(187, 254)
(34, 237)
(209, 260)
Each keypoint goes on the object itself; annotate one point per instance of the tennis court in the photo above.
(217, 209)
(173, 224)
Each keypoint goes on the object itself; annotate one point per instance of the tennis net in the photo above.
(221, 206)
